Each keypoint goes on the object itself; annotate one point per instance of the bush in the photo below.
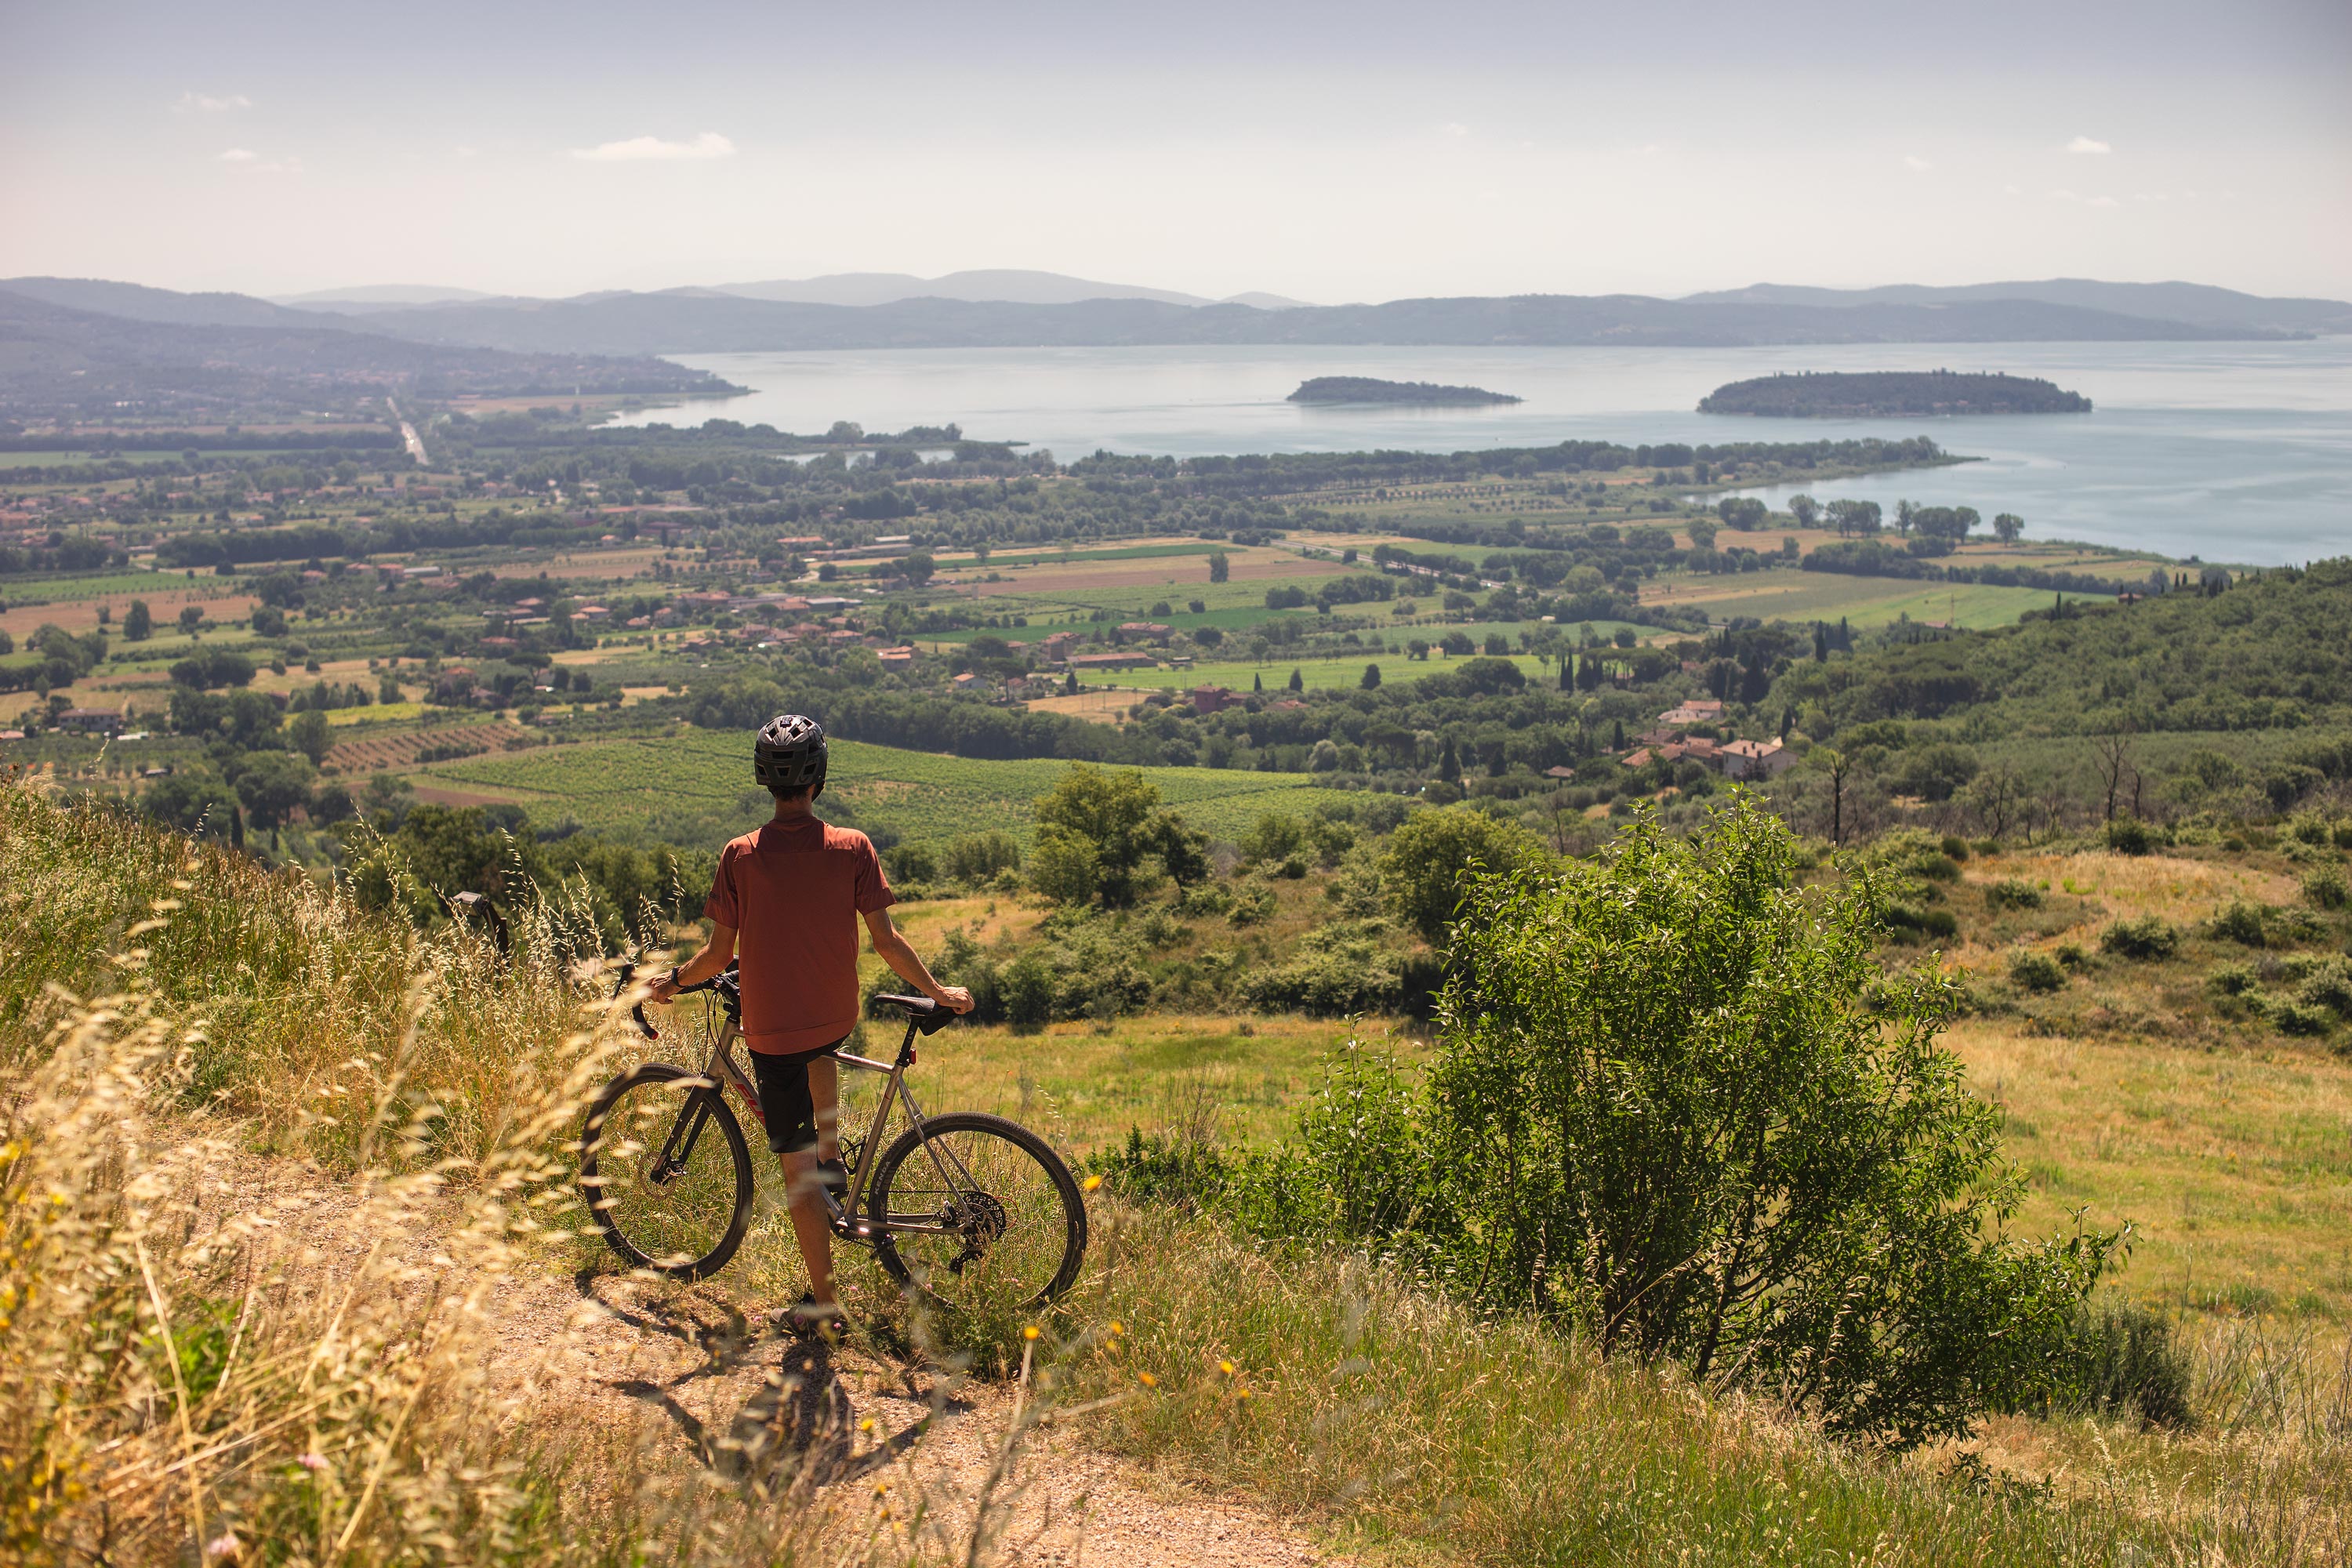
(2298, 1018)
(1679, 1103)
(1338, 969)
(2121, 1360)
(2037, 971)
(2326, 889)
(2012, 894)
(2329, 985)
(978, 857)
(1427, 858)
(2239, 921)
(2130, 836)
(2233, 980)
(2147, 939)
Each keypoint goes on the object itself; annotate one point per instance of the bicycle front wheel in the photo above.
(666, 1172)
(978, 1214)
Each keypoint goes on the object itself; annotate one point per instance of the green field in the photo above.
(1863, 602)
(1315, 674)
(696, 787)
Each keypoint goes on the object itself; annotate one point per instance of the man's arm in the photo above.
(708, 964)
(894, 951)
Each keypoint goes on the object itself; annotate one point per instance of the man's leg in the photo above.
(804, 1194)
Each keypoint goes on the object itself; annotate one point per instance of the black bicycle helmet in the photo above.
(789, 754)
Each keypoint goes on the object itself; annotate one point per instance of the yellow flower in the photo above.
(1117, 1328)
(1148, 1380)
(1030, 1333)
(1227, 1367)
(1093, 1181)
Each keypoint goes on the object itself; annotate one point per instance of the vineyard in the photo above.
(405, 748)
(696, 787)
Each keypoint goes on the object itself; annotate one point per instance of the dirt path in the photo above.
(883, 1448)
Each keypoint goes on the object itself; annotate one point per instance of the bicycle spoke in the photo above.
(996, 1225)
(665, 1182)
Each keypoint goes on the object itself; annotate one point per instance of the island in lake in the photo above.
(1371, 389)
(1849, 394)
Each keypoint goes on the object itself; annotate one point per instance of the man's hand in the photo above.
(663, 990)
(954, 998)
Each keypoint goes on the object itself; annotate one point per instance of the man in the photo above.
(788, 898)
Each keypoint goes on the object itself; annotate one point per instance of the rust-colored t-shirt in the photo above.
(794, 892)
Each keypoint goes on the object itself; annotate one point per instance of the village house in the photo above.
(1212, 699)
(1696, 710)
(1756, 760)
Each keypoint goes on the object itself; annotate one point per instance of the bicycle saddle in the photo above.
(928, 1014)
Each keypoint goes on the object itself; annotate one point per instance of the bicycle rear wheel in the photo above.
(1000, 1224)
(666, 1172)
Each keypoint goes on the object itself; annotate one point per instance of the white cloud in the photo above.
(1454, 128)
(205, 103)
(1917, 165)
(239, 155)
(2084, 144)
(644, 149)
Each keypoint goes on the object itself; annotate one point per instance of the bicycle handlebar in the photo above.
(628, 975)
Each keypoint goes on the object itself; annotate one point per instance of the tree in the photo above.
(1220, 567)
(271, 785)
(1427, 859)
(1682, 1103)
(190, 801)
(2006, 526)
(138, 624)
(309, 733)
(1906, 514)
(214, 667)
(1805, 509)
(1853, 516)
(1298, 681)
(2111, 755)
(1449, 765)
(190, 617)
(1702, 533)
(1839, 767)
(1371, 680)
(1745, 513)
(917, 567)
(1103, 837)
(1257, 682)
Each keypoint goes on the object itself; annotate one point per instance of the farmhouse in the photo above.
(1756, 760)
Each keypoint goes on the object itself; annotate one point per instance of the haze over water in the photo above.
(2238, 452)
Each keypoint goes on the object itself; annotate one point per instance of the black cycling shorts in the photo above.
(785, 1099)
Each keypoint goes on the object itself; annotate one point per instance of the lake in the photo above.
(2236, 452)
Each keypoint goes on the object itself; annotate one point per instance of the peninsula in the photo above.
(1371, 389)
(1849, 395)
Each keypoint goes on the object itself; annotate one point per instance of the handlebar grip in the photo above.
(628, 973)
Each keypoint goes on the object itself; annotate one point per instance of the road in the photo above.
(408, 434)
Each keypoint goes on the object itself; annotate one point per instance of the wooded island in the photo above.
(1847, 394)
(1371, 389)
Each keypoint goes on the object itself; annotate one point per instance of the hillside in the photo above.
(1403, 394)
(57, 360)
(1857, 394)
(2199, 303)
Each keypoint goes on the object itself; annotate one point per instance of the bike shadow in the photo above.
(798, 1426)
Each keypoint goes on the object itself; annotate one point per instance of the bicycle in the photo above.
(988, 1217)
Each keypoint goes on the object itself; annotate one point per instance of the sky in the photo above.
(1327, 151)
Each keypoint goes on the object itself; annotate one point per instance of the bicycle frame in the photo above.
(722, 1070)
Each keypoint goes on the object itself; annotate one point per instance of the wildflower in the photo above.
(225, 1545)
(313, 1461)
(1030, 1331)
(1227, 1367)
(1148, 1380)
(1093, 1181)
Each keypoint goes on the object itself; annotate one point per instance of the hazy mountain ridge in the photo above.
(2199, 304)
(713, 320)
(54, 357)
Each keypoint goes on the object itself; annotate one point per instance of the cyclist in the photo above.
(787, 899)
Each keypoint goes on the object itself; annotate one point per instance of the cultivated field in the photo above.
(695, 787)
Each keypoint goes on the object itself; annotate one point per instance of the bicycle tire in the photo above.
(913, 1273)
(607, 1207)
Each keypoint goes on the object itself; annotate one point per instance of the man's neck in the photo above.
(793, 811)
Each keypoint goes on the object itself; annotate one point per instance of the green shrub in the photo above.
(1336, 970)
(2037, 971)
(2232, 980)
(2241, 922)
(2329, 985)
(2012, 894)
(1426, 860)
(2070, 954)
(1955, 848)
(1679, 1104)
(2326, 889)
(2147, 938)
(2130, 836)
(2299, 1018)
(2122, 1359)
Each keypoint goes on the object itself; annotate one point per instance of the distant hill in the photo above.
(1009, 286)
(2198, 304)
(85, 365)
(135, 302)
(1371, 389)
(379, 296)
(707, 322)
(1853, 395)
